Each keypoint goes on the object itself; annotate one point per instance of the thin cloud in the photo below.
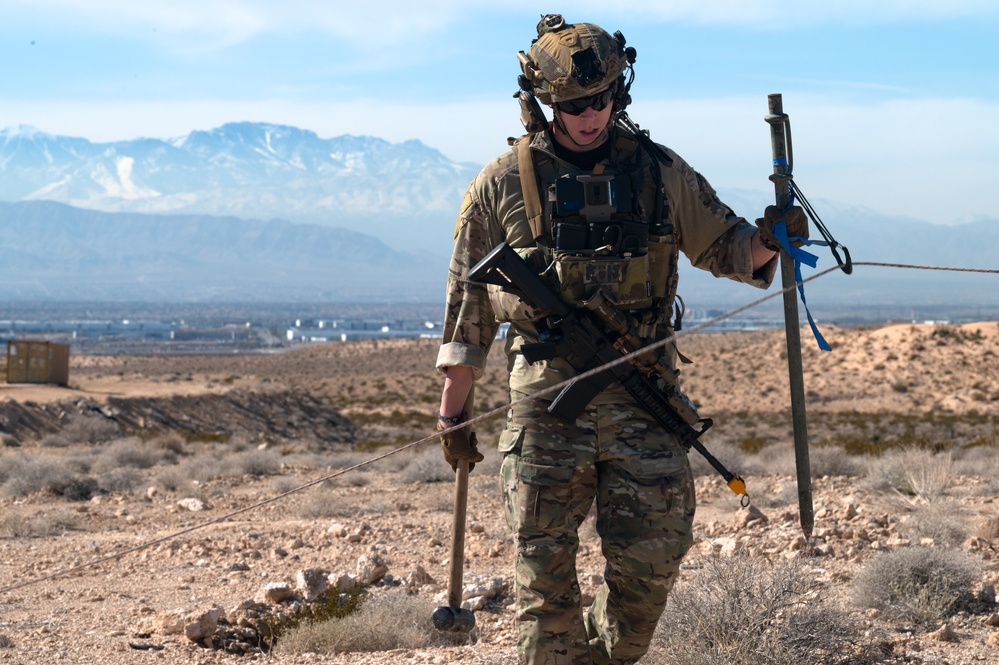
(224, 23)
(221, 23)
(781, 15)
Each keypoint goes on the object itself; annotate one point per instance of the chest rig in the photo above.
(606, 230)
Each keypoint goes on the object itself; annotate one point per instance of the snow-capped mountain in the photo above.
(406, 194)
(349, 217)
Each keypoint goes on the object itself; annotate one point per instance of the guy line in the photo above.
(489, 414)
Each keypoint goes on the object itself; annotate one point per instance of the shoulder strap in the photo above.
(529, 186)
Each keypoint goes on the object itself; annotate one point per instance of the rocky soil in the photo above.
(180, 477)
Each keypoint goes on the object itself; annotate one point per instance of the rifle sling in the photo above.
(529, 186)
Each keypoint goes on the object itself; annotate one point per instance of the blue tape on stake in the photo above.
(811, 260)
(780, 162)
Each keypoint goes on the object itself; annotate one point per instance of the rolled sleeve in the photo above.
(456, 353)
(742, 259)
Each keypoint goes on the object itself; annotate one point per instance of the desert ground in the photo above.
(181, 509)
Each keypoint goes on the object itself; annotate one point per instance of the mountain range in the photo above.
(261, 212)
(405, 193)
(54, 252)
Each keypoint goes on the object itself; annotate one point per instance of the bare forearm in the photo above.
(457, 387)
(761, 255)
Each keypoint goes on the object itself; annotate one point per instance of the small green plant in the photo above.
(753, 444)
(946, 334)
(382, 623)
(207, 437)
(332, 605)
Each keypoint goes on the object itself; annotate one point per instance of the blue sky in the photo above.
(894, 105)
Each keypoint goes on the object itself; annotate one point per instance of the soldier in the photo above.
(590, 204)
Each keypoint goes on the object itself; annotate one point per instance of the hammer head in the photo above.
(453, 619)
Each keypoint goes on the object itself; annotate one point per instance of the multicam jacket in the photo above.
(693, 220)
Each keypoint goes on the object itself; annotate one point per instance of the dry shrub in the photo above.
(308, 460)
(946, 522)
(170, 441)
(885, 474)
(353, 479)
(786, 496)
(26, 475)
(172, 479)
(776, 460)
(285, 484)
(919, 584)
(428, 467)
(988, 529)
(754, 610)
(912, 472)
(131, 452)
(119, 481)
(827, 461)
(323, 501)
(981, 461)
(192, 477)
(346, 460)
(26, 522)
(928, 474)
(82, 429)
(383, 622)
(822, 461)
(252, 463)
(7, 468)
(729, 455)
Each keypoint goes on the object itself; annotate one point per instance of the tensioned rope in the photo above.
(485, 416)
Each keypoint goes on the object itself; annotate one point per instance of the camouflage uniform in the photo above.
(615, 453)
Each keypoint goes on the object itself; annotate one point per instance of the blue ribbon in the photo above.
(801, 256)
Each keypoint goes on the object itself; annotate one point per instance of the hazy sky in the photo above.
(894, 104)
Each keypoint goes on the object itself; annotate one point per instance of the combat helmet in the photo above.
(572, 60)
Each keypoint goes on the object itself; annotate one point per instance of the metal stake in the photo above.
(782, 185)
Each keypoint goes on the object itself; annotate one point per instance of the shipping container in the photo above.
(37, 362)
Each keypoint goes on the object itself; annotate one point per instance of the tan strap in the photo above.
(529, 186)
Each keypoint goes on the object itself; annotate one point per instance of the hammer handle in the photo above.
(458, 543)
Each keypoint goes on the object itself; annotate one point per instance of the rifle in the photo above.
(591, 337)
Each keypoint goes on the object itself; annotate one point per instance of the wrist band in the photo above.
(451, 420)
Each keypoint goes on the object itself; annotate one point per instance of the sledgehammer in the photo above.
(452, 618)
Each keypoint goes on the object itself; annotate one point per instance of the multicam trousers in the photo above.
(640, 478)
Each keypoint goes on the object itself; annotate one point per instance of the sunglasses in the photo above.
(597, 102)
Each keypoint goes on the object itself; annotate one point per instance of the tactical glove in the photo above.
(795, 221)
(459, 444)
